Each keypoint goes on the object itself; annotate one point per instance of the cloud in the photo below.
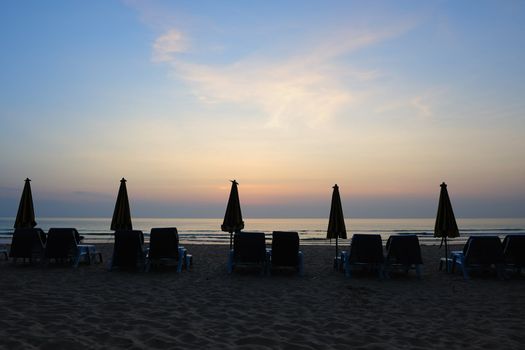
(167, 45)
(422, 106)
(307, 88)
(284, 93)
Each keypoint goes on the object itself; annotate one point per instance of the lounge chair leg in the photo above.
(76, 261)
(382, 272)
(348, 270)
(181, 261)
(464, 268)
(189, 261)
(418, 271)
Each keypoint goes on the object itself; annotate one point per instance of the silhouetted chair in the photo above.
(479, 253)
(249, 249)
(62, 246)
(365, 251)
(164, 249)
(403, 252)
(285, 251)
(128, 250)
(27, 244)
(514, 252)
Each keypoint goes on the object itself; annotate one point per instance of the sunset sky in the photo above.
(386, 99)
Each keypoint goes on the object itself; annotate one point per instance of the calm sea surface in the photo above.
(312, 231)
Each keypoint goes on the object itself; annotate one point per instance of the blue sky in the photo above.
(387, 99)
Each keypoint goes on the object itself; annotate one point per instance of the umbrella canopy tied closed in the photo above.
(25, 218)
(336, 223)
(446, 226)
(233, 216)
(122, 214)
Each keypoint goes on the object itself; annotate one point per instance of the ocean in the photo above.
(311, 231)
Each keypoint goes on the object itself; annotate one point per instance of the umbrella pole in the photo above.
(231, 238)
(336, 247)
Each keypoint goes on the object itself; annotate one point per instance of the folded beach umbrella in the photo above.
(336, 223)
(122, 215)
(446, 226)
(25, 218)
(233, 216)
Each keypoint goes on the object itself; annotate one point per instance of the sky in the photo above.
(386, 99)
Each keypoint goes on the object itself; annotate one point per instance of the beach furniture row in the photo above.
(366, 252)
(249, 249)
(59, 244)
(489, 252)
(402, 252)
(129, 251)
(63, 245)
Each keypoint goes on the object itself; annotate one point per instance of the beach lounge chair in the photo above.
(403, 252)
(62, 246)
(249, 249)
(164, 249)
(514, 252)
(128, 250)
(285, 251)
(479, 253)
(366, 251)
(27, 244)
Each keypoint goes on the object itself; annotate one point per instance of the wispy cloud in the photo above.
(421, 105)
(168, 45)
(308, 87)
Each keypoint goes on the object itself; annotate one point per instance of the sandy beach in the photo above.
(205, 308)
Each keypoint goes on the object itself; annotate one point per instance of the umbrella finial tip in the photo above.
(234, 182)
(123, 180)
(27, 179)
(443, 184)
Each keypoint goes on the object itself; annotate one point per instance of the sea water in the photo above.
(311, 230)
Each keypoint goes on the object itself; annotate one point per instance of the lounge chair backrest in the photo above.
(483, 250)
(285, 248)
(403, 249)
(249, 247)
(366, 248)
(128, 248)
(164, 243)
(27, 243)
(61, 243)
(514, 249)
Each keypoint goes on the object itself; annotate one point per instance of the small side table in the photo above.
(90, 252)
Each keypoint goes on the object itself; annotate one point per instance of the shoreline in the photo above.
(62, 307)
